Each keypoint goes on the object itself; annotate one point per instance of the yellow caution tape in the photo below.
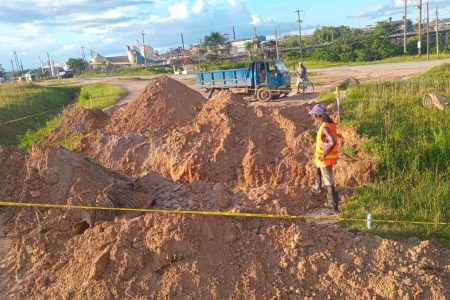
(213, 213)
(26, 117)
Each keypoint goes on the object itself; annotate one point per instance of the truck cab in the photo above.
(270, 77)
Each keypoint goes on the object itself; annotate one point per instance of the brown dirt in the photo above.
(164, 104)
(78, 121)
(223, 141)
(222, 155)
(193, 257)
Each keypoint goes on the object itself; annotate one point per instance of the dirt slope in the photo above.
(161, 256)
(224, 140)
(219, 155)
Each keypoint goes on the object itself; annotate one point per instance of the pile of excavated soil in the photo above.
(78, 121)
(229, 142)
(222, 155)
(164, 104)
(170, 129)
(200, 257)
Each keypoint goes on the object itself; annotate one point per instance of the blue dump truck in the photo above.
(264, 79)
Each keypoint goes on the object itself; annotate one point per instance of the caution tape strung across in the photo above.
(213, 213)
(26, 117)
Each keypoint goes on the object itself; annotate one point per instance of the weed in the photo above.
(349, 151)
(412, 144)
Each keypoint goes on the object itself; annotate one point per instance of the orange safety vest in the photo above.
(331, 158)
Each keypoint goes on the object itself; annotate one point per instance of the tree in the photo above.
(2, 71)
(76, 64)
(216, 43)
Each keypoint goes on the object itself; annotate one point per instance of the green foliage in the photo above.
(77, 64)
(215, 43)
(100, 95)
(412, 144)
(21, 100)
(115, 70)
(31, 137)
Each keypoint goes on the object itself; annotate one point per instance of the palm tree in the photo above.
(250, 48)
(214, 41)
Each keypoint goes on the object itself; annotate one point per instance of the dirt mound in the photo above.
(228, 142)
(12, 170)
(164, 104)
(200, 257)
(228, 156)
(78, 121)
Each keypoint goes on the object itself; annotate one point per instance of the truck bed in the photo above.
(223, 78)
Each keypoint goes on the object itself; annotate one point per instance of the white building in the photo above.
(238, 46)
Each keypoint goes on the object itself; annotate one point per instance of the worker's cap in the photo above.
(318, 109)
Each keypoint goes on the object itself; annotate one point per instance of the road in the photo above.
(324, 79)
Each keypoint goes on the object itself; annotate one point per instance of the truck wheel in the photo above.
(263, 94)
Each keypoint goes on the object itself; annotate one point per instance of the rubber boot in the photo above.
(333, 202)
(317, 187)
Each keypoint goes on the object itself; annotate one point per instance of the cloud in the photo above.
(395, 7)
(255, 20)
(198, 6)
(61, 27)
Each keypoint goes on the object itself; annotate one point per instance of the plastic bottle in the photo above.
(369, 221)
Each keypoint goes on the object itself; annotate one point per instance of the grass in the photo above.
(130, 71)
(100, 95)
(58, 82)
(21, 100)
(18, 100)
(412, 143)
(314, 64)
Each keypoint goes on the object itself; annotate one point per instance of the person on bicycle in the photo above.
(301, 76)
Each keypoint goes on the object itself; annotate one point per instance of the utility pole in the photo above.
(437, 31)
(14, 72)
(16, 59)
(182, 41)
(299, 20)
(404, 27)
(143, 45)
(419, 43)
(428, 32)
(234, 34)
(84, 59)
(276, 42)
(42, 67)
(199, 49)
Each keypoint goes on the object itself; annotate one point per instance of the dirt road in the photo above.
(323, 79)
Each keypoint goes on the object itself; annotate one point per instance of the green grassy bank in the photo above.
(413, 145)
(28, 112)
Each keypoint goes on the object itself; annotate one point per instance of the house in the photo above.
(31, 76)
(238, 46)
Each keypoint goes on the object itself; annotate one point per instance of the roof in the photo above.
(185, 60)
(118, 59)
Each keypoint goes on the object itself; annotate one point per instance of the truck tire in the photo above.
(264, 94)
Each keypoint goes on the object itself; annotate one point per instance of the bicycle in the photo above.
(304, 84)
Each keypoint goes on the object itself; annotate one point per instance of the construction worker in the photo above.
(326, 155)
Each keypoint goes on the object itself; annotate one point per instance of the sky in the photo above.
(62, 27)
